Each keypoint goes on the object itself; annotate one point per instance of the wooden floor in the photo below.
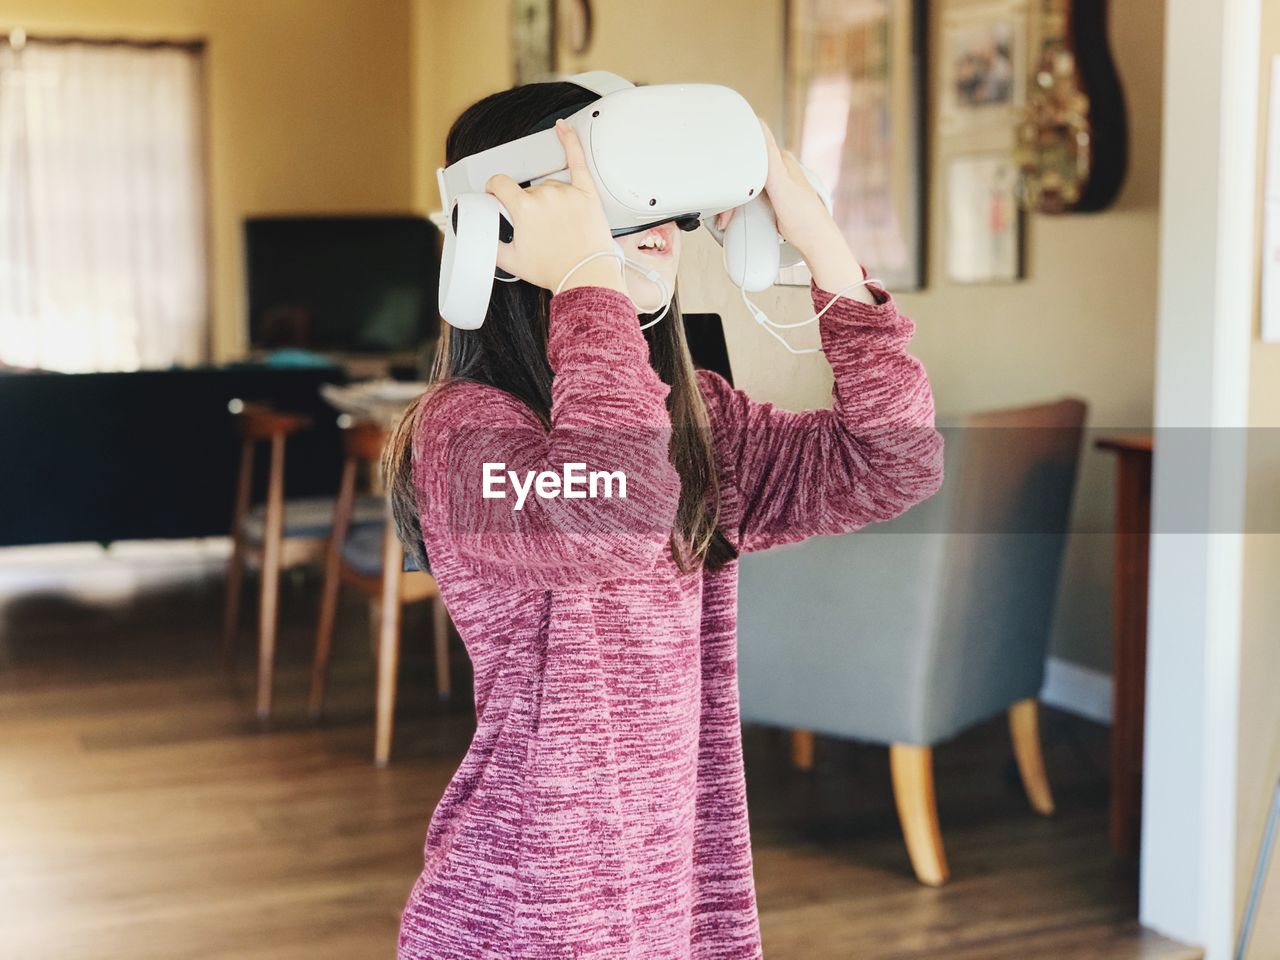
(145, 814)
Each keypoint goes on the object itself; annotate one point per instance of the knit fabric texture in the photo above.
(600, 811)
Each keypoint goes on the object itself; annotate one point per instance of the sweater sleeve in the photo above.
(477, 446)
(871, 456)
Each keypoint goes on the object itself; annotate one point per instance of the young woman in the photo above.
(600, 811)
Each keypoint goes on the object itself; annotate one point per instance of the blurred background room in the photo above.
(1036, 716)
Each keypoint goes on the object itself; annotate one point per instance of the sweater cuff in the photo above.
(593, 295)
(883, 309)
(595, 320)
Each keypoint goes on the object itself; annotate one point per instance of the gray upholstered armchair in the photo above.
(907, 632)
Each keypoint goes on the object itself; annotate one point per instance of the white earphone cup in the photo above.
(469, 259)
(789, 255)
(751, 242)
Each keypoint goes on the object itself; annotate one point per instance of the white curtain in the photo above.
(103, 261)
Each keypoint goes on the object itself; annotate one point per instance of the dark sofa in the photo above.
(153, 454)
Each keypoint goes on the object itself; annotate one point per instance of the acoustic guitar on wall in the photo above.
(1072, 142)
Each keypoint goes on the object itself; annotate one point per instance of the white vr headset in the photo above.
(678, 151)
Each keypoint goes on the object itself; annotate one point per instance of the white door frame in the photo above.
(1205, 322)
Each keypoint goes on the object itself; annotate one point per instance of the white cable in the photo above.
(651, 275)
(769, 326)
(587, 259)
(772, 328)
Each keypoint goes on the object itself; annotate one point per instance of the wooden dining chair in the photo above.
(276, 535)
(360, 558)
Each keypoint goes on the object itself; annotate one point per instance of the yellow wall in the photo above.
(460, 54)
(308, 109)
(1259, 746)
(1082, 322)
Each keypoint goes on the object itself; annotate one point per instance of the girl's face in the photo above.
(657, 248)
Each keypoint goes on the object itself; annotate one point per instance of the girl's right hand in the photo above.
(557, 224)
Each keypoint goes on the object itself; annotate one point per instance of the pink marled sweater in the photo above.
(600, 811)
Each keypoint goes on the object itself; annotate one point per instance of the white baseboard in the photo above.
(1076, 689)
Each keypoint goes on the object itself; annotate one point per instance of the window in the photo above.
(103, 261)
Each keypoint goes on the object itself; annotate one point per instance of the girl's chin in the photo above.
(643, 291)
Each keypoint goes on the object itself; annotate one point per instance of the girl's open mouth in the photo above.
(657, 241)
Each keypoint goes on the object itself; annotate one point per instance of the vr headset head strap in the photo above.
(463, 174)
(599, 82)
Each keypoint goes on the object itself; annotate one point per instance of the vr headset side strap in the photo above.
(528, 158)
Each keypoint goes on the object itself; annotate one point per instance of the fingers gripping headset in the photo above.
(713, 157)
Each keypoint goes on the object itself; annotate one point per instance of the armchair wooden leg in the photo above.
(912, 770)
(440, 617)
(802, 749)
(1024, 729)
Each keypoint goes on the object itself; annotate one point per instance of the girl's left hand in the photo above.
(803, 218)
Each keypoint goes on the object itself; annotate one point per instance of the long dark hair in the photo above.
(509, 351)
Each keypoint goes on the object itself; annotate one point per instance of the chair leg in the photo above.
(235, 568)
(1024, 729)
(329, 594)
(267, 614)
(231, 614)
(802, 749)
(912, 770)
(440, 618)
(375, 625)
(324, 635)
(388, 644)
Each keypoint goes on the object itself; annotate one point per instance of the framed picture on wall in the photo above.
(854, 114)
(984, 220)
(533, 40)
(983, 72)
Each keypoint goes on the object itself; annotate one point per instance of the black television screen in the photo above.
(348, 284)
